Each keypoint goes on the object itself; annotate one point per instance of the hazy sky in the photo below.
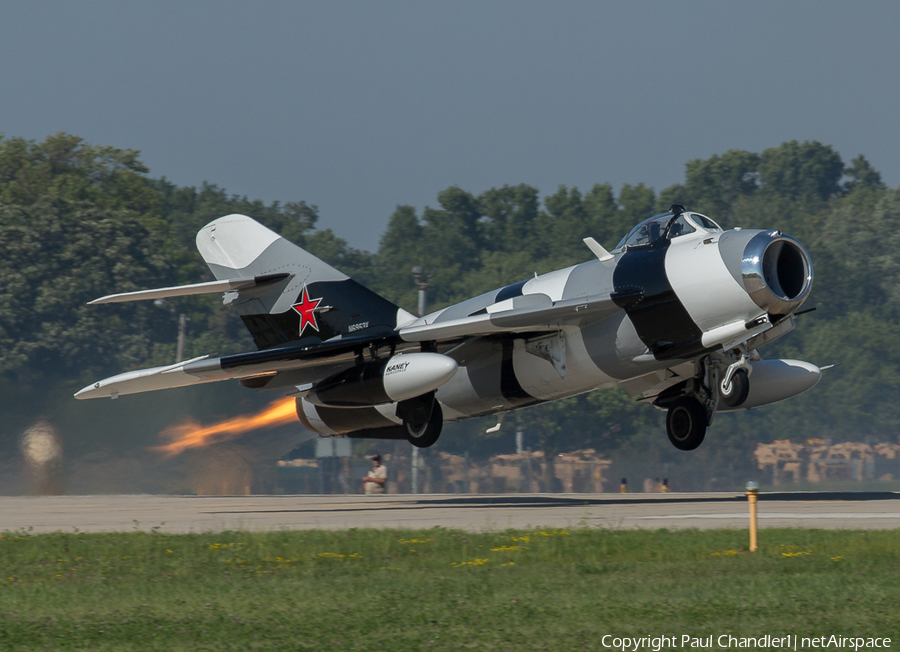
(360, 106)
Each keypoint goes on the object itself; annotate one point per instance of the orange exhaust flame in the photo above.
(193, 435)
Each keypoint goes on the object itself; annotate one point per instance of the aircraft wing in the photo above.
(255, 368)
(288, 366)
(536, 312)
(212, 287)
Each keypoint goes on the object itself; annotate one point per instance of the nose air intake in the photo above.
(777, 272)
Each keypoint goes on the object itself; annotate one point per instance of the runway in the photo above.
(107, 513)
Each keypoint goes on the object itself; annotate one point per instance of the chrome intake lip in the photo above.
(777, 272)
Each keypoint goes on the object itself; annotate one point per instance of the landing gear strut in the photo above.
(736, 392)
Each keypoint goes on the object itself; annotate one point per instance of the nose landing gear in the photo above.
(735, 386)
(736, 392)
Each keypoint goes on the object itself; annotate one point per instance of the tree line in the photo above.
(78, 221)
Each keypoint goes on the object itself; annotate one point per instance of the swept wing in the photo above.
(279, 366)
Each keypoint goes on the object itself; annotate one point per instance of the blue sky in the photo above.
(359, 106)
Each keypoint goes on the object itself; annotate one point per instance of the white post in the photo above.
(415, 453)
(182, 325)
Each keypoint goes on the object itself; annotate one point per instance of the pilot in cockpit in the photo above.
(680, 227)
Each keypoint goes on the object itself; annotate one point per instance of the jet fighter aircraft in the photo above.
(674, 314)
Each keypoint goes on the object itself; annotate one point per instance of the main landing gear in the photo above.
(686, 423)
(423, 420)
(692, 404)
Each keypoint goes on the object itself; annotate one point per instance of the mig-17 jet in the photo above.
(675, 315)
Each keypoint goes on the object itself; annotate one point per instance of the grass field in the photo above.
(392, 590)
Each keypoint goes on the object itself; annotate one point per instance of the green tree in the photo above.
(805, 171)
(76, 221)
(713, 186)
(564, 224)
(855, 254)
(607, 223)
(637, 203)
(511, 214)
(452, 243)
(401, 248)
(861, 174)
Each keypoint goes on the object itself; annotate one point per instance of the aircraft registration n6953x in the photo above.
(675, 315)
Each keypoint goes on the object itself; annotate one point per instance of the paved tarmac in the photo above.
(872, 510)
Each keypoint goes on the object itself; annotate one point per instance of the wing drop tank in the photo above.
(775, 380)
(400, 377)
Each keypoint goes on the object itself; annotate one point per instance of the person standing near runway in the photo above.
(374, 483)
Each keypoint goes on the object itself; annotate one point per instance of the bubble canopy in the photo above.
(666, 226)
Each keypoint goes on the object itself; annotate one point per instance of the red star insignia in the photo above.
(306, 309)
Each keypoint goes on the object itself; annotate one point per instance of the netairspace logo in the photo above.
(727, 641)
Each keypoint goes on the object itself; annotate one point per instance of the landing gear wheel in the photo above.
(686, 423)
(740, 389)
(426, 433)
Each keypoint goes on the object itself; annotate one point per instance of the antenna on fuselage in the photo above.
(597, 249)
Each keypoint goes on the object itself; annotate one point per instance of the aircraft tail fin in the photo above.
(313, 302)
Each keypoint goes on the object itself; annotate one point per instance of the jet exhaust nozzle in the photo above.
(777, 272)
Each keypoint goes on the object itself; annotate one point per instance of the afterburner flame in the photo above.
(194, 435)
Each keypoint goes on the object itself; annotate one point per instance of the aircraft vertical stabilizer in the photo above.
(314, 302)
